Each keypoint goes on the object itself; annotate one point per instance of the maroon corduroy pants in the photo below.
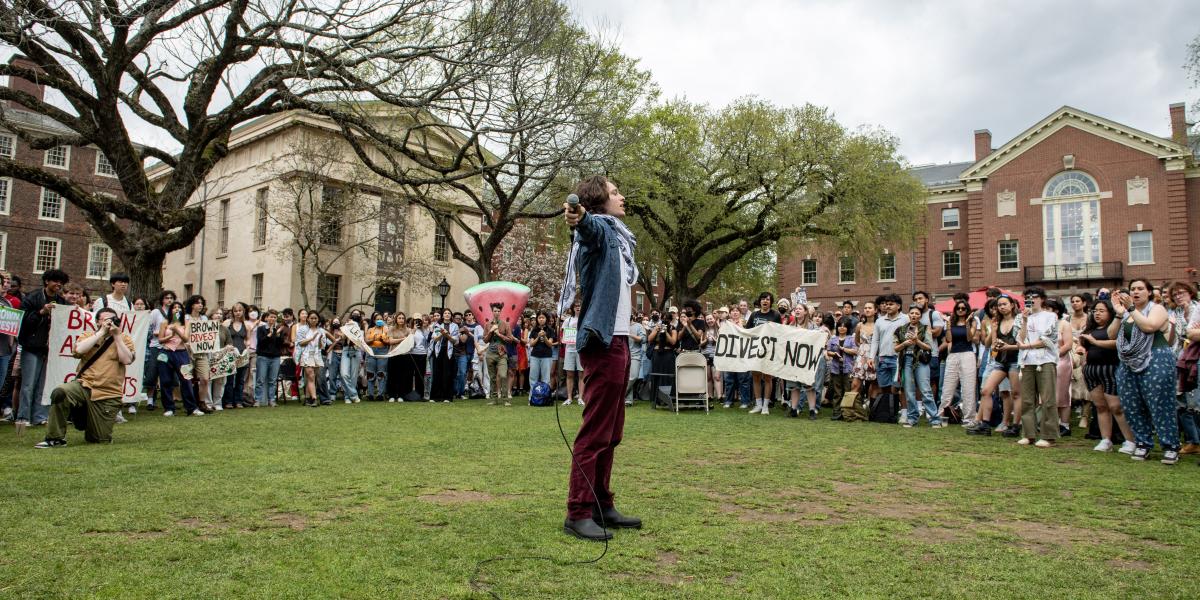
(605, 375)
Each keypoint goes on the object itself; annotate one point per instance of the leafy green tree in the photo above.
(708, 189)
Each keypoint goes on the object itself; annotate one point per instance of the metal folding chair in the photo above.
(691, 381)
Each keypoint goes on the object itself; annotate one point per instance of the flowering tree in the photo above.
(534, 256)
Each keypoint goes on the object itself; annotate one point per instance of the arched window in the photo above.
(1070, 183)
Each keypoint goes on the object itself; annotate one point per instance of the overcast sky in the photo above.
(930, 72)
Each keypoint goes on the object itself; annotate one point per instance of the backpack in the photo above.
(540, 394)
(883, 409)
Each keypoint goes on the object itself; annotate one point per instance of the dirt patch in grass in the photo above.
(290, 520)
(936, 535)
(457, 497)
(130, 535)
(666, 559)
(1129, 565)
(1044, 537)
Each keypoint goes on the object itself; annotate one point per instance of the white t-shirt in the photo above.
(624, 304)
(569, 326)
(122, 304)
(1041, 325)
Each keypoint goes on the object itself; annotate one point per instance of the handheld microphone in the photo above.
(573, 206)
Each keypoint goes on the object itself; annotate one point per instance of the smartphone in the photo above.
(1028, 303)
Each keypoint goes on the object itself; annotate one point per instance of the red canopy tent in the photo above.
(977, 300)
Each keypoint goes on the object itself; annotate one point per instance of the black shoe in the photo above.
(613, 519)
(1012, 432)
(812, 414)
(980, 429)
(1064, 431)
(835, 418)
(793, 413)
(1091, 436)
(586, 529)
(50, 443)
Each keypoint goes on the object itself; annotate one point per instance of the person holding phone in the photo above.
(1146, 376)
(1037, 344)
(99, 383)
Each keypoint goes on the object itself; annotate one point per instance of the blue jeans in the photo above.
(539, 370)
(348, 371)
(916, 376)
(266, 374)
(33, 382)
(737, 384)
(150, 372)
(376, 375)
(169, 377)
(885, 371)
(333, 373)
(461, 365)
(1188, 417)
(235, 386)
(4, 362)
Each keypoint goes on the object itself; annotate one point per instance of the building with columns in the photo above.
(1074, 203)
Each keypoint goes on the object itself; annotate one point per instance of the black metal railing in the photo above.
(1097, 271)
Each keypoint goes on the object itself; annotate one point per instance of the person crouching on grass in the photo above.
(602, 251)
(98, 386)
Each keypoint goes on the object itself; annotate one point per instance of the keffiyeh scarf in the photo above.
(627, 242)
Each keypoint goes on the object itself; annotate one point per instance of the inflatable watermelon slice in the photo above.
(480, 298)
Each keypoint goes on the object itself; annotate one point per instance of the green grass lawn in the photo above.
(402, 500)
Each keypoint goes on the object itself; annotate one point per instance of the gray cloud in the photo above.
(930, 72)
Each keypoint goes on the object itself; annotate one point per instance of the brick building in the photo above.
(1073, 203)
(39, 230)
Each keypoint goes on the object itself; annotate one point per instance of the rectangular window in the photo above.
(58, 157)
(653, 276)
(99, 263)
(330, 215)
(3, 249)
(1141, 247)
(1072, 232)
(187, 290)
(103, 167)
(190, 253)
(260, 218)
(640, 301)
(256, 289)
(46, 255)
(949, 218)
(223, 220)
(441, 246)
(327, 293)
(8, 146)
(1009, 255)
(887, 267)
(808, 272)
(951, 264)
(221, 293)
(52, 206)
(846, 269)
(5, 194)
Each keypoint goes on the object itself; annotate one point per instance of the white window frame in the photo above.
(640, 299)
(223, 228)
(1000, 268)
(6, 196)
(66, 158)
(853, 270)
(957, 218)
(879, 271)
(12, 145)
(816, 274)
(62, 209)
(1129, 241)
(102, 159)
(257, 283)
(1091, 238)
(261, 215)
(439, 232)
(960, 265)
(3, 249)
(107, 265)
(57, 255)
(220, 285)
(654, 277)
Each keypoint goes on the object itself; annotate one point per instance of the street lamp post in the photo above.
(444, 290)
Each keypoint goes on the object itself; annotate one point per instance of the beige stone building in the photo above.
(295, 219)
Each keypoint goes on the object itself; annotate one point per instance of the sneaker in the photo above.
(49, 443)
(566, 402)
(630, 403)
(1012, 432)
(121, 418)
(349, 401)
(1023, 441)
(727, 405)
(1001, 428)
(8, 413)
(40, 424)
(506, 403)
(1127, 447)
(907, 425)
(1064, 430)
(431, 400)
(131, 409)
(198, 413)
(491, 403)
(1140, 453)
(757, 409)
(940, 425)
(581, 404)
(1170, 457)
(981, 429)
(391, 400)
(448, 402)
(150, 406)
(168, 413)
(1043, 443)
(219, 407)
(766, 410)
(357, 400)
(812, 414)
(1104, 446)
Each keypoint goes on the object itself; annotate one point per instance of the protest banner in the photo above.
(10, 320)
(354, 335)
(203, 336)
(223, 363)
(67, 324)
(790, 353)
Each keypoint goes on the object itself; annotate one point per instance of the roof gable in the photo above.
(1067, 116)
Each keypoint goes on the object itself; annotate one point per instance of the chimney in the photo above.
(33, 88)
(983, 144)
(1179, 123)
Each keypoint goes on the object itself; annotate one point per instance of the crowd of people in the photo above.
(1114, 361)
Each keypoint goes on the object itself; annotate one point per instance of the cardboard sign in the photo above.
(67, 324)
(789, 353)
(203, 336)
(223, 363)
(10, 320)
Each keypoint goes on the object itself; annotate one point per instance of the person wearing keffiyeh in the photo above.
(601, 261)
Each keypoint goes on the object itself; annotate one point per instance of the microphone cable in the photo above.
(474, 580)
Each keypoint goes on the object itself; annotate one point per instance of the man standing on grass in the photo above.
(34, 340)
(98, 386)
(882, 353)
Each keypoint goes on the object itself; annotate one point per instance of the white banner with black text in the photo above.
(789, 353)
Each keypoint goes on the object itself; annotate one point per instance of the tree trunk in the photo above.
(303, 280)
(146, 277)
